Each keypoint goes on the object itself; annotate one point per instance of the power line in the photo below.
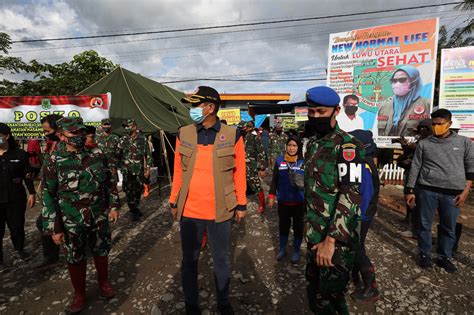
(231, 32)
(245, 80)
(233, 25)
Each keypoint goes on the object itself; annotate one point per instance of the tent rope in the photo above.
(135, 102)
(166, 137)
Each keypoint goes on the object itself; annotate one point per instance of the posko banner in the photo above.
(231, 115)
(385, 77)
(24, 113)
(456, 91)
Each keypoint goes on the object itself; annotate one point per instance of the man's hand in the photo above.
(31, 200)
(461, 199)
(113, 216)
(146, 174)
(325, 251)
(174, 213)
(410, 200)
(261, 173)
(58, 238)
(240, 215)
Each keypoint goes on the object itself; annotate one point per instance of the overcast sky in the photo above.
(291, 51)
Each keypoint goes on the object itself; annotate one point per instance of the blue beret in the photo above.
(367, 139)
(322, 96)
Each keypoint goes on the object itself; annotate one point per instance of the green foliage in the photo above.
(67, 78)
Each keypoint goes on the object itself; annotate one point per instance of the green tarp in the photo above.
(153, 105)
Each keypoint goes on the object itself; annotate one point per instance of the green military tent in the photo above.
(154, 106)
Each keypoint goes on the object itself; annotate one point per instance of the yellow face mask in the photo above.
(439, 130)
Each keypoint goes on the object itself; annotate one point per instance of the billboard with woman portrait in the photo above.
(389, 71)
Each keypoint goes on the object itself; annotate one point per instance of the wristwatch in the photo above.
(173, 205)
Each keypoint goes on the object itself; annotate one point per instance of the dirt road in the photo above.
(145, 264)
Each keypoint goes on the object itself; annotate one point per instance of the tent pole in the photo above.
(162, 138)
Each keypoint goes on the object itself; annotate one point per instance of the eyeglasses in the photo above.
(401, 80)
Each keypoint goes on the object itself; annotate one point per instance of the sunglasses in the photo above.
(401, 80)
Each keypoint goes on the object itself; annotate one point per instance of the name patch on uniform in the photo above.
(382, 118)
(225, 144)
(418, 117)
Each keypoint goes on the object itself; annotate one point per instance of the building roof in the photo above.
(255, 97)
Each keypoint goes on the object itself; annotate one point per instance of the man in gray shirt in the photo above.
(442, 172)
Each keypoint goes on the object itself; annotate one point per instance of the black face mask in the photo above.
(319, 125)
(52, 137)
(351, 110)
(107, 129)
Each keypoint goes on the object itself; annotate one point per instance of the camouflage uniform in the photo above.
(108, 144)
(277, 145)
(255, 159)
(78, 191)
(332, 177)
(134, 156)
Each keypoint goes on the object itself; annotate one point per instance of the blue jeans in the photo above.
(218, 235)
(427, 202)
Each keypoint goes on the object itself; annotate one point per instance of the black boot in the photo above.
(370, 292)
(358, 284)
(50, 253)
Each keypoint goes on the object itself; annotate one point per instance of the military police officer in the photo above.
(332, 176)
(78, 193)
(256, 163)
(135, 164)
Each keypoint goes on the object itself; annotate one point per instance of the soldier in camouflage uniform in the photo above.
(108, 144)
(135, 163)
(278, 140)
(333, 173)
(256, 163)
(78, 192)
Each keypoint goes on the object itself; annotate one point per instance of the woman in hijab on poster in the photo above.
(401, 113)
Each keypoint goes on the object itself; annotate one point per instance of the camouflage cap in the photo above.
(106, 121)
(71, 124)
(128, 122)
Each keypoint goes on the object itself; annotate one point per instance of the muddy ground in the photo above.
(145, 263)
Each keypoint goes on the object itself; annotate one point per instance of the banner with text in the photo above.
(231, 115)
(457, 86)
(385, 77)
(23, 113)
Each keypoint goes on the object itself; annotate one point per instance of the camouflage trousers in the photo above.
(253, 180)
(77, 238)
(133, 188)
(327, 286)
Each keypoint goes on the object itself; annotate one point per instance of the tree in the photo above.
(8, 64)
(66, 78)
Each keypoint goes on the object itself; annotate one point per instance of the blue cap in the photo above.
(322, 96)
(367, 139)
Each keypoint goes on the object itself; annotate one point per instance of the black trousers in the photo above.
(218, 234)
(362, 261)
(12, 214)
(286, 214)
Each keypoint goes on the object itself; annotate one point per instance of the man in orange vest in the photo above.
(208, 191)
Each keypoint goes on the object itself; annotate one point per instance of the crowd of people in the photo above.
(324, 180)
